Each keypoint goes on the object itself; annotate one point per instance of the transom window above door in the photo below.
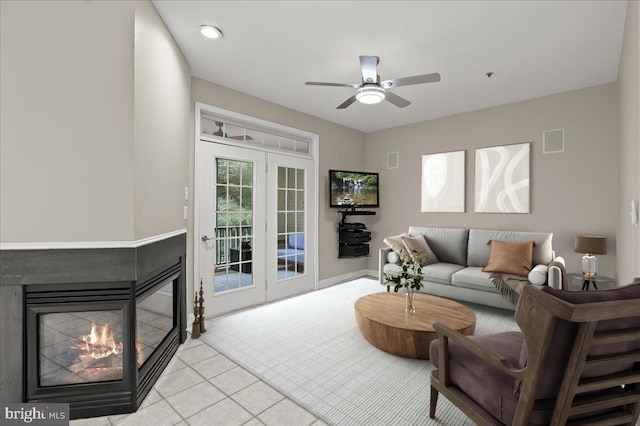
(239, 132)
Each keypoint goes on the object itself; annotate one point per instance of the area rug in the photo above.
(310, 349)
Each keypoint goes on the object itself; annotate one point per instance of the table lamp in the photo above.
(590, 245)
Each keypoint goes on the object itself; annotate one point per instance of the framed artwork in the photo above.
(502, 179)
(443, 182)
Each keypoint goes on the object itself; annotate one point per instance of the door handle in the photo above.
(204, 239)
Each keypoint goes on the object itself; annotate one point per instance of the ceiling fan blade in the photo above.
(347, 102)
(398, 101)
(318, 83)
(369, 66)
(416, 79)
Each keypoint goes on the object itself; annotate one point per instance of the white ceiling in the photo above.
(270, 48)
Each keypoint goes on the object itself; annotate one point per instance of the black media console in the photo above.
(353, 238)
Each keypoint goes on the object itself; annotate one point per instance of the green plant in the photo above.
(410, 276)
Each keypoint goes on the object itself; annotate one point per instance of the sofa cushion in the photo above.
(510, 258)
(479, 250)
(440, 272)
(296, 240)
(437, 273)
(291, 255)
(448, 244)
(396, 244)
(419, 250)
(474, 278)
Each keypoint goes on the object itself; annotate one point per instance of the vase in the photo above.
(410, 309)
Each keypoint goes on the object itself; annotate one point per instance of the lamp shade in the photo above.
(591, 244)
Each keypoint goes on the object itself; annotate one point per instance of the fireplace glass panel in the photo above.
(154, 320)
(80, 347)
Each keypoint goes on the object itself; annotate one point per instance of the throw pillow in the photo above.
(395, 243)
(510, 258)
(538, 275)
(419, 250)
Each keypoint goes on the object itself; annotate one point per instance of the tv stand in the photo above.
(353, 238)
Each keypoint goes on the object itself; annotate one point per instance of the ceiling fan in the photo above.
(372, 90)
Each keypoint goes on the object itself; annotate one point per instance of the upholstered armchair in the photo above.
(575, 361)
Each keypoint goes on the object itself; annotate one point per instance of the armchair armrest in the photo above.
(382, 260)
(445, 333)
(557, 274)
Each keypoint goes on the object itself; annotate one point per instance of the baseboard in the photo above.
(347, 277)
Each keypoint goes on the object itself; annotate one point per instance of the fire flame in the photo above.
(99, 343)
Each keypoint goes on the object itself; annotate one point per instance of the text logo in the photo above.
(38, 414)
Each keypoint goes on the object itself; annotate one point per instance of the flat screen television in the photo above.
(349, 189)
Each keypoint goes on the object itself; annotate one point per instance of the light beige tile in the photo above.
(152, 397)
(190, 343)
(225, 412)
(253, 422)
(233, 380)
(197, 398)
(177, 381)
(118, 418)
(174, 365)
(159, 414)
(211, 367)
(95, 421)
(286, 413)
(257, 397)
(193, 355)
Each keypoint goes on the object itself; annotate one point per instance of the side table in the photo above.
(599, 282)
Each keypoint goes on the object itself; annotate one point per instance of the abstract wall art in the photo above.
(443, 182)
(502, 179)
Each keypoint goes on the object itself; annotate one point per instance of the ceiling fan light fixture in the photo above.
(370, 95)
(209, 31)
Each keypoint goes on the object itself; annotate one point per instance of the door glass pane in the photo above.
(233, 225)
(291, 219)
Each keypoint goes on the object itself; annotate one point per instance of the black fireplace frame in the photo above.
(100, 398)
(130, 269)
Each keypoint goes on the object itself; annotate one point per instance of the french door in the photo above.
(255, 227)
(290, 226)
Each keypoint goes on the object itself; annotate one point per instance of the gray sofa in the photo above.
(462, 253)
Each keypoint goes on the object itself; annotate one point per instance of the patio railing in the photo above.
(230, 237)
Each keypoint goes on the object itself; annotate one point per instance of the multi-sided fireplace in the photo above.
(101, 346)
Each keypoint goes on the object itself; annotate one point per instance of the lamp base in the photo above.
(589, 266)
(585, 284)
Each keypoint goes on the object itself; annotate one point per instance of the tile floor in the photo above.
(200, 386)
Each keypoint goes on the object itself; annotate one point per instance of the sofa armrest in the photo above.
(382, 260)
(557, 274)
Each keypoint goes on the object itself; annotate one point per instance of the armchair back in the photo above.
(579, 360)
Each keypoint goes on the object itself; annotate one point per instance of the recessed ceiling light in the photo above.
(209, 31)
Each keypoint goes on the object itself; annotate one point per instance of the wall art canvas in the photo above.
(443, 182)
(502, 179)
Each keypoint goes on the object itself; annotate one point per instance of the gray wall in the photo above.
(67, 125)
(162, 121)
(94, 124)
(629, 158)
(572, 193)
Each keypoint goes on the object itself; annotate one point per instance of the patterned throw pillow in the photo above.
(395, 243)
(419, 250)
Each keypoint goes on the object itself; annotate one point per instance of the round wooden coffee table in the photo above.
(385, 324)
